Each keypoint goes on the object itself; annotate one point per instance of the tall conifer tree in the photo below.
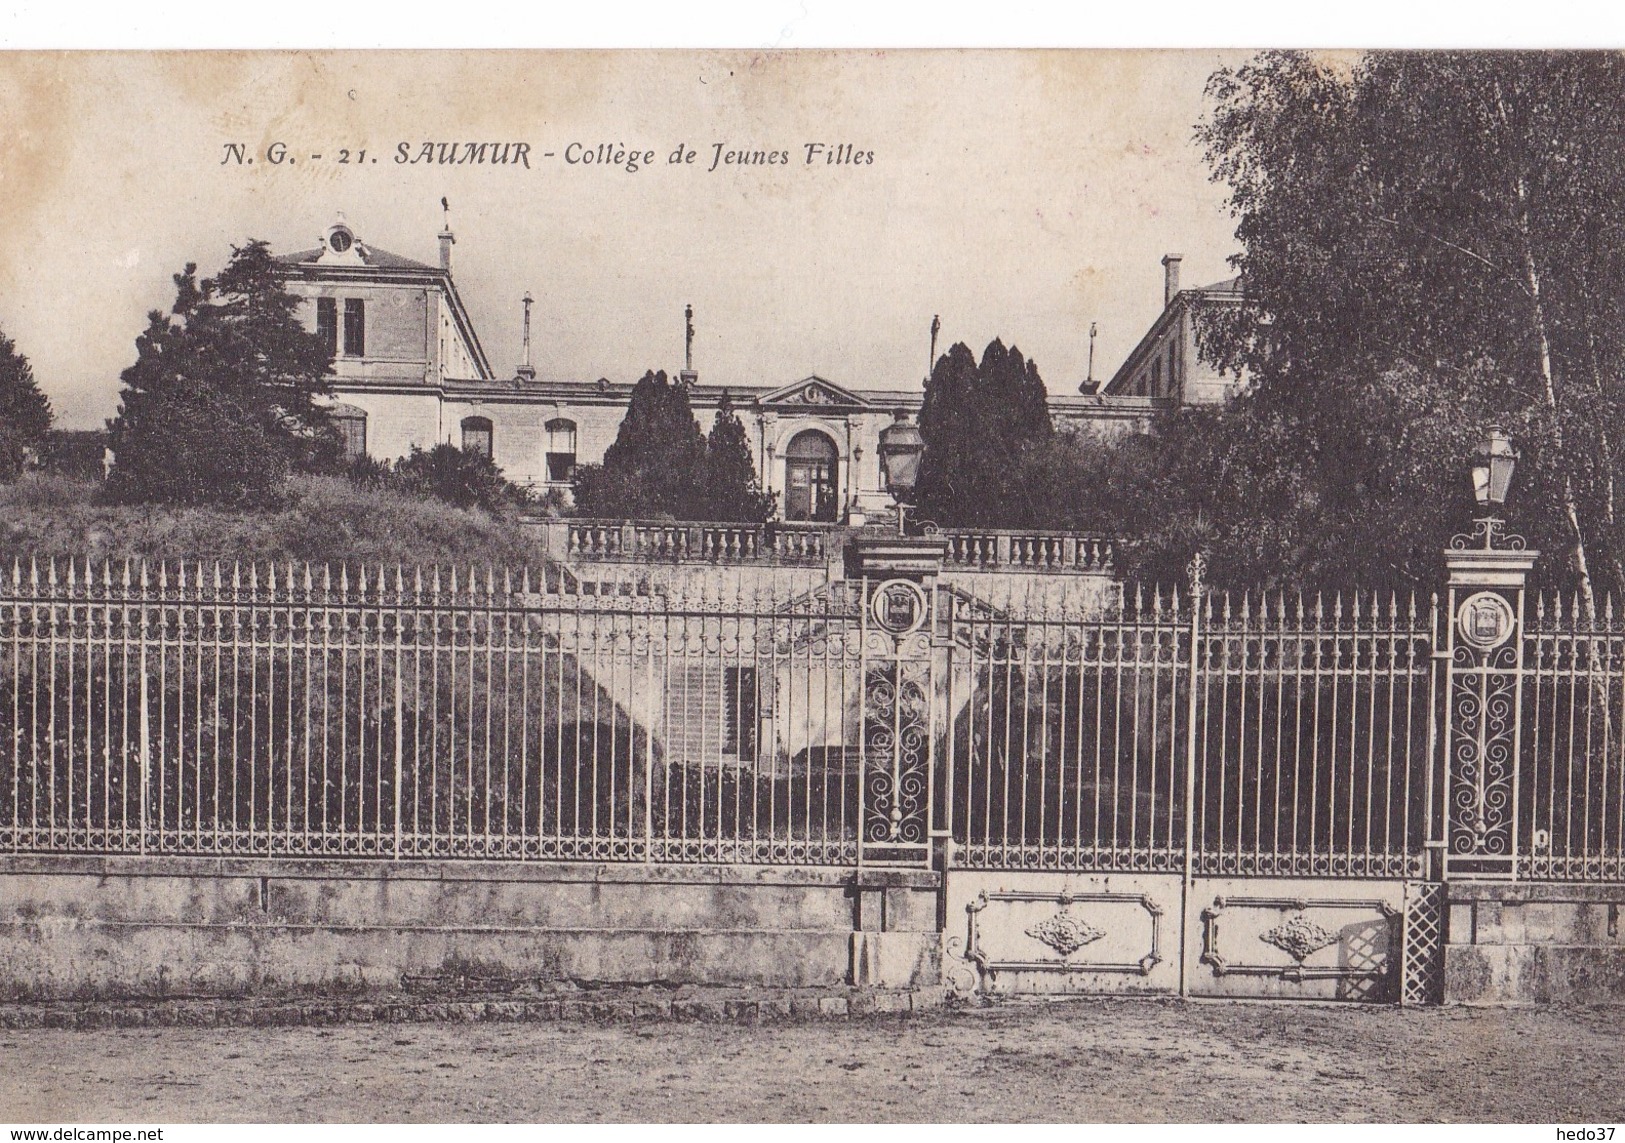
(25, 412)
(732, 488)
(221, 401)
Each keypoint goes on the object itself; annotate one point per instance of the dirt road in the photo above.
(1098, 1060)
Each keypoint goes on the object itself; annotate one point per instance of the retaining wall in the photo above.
(1534, 942)
(101, 927)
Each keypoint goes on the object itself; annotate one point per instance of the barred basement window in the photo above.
(355, 327)
(351, 424)
(739, 720)
(327, 324)
(477, 436)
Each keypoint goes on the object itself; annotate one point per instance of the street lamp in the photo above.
(901, 447)
(1494, 458)
(1493, 462)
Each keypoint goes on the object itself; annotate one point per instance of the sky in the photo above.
(1017, 194)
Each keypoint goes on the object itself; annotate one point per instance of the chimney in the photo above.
(527, 372)
(1170, 277)
(447, 238)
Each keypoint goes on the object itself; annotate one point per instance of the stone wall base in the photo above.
(132, 928)
(1534, 943)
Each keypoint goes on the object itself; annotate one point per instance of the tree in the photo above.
(222, 399)
(465, 478)
(1434, 234)
(978, 421)
(25, 412)
(732, 489)
(656, 467)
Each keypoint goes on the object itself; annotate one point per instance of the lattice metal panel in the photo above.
(1422, 979)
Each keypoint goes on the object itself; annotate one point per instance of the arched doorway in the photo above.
(811, 468)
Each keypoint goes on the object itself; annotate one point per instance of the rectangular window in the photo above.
(355, 327)
(477, 436)
(327, 324)
(739, 721)
(561, 451)
(561, 467)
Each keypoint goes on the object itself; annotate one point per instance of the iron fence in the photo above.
(1571, 774)
(768, 715)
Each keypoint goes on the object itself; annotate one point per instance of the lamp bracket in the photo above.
(1487, 530)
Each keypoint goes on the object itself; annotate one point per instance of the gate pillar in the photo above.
(1483, 701)
(901, 705)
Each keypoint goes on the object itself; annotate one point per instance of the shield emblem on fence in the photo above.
(1486, 620)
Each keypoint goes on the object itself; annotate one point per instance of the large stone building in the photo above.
(409, 371)
(1167, 364)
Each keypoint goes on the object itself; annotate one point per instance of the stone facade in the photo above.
(417, 376)
(1167, 364)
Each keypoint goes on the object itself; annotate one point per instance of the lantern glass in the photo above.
(1494, 461)
(901, 447)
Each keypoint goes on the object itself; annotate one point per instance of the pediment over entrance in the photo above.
(812, 393)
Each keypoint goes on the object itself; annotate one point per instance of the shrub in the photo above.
(320, 519)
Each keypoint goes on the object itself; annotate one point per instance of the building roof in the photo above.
(370, 256)
(1227, 292)
(1228, 286)
(372, 264)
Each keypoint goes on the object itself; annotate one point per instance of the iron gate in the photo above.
(1206, 794)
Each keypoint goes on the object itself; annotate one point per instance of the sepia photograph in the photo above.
(811, 586)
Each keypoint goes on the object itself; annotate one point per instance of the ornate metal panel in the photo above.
(1281, 944)
(1484, 704)
(898, 732)
(1052, 933)
(1422, 968)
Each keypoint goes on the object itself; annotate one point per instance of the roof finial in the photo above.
(526, 372)
(931, 362)
(1089, 384)
(688, 374)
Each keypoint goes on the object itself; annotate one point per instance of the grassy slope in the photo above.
(327, 520)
